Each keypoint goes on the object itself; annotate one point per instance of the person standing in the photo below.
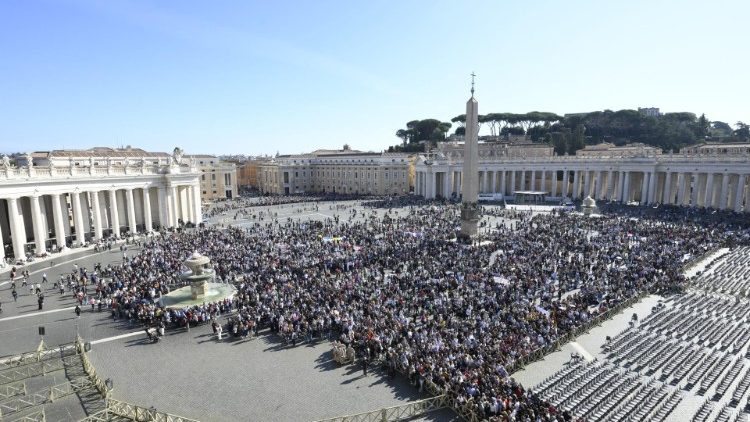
(78, 311)
(365, 362)
(15, 295)
(40, 301)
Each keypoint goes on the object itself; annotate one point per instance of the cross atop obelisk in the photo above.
(470, 172)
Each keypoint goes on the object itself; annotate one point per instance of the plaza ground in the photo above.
(193, 375)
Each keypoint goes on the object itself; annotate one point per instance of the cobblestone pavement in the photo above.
(194, 375)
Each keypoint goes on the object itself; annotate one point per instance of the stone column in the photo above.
(17, 229)
(433, 186)
(502, 182)
(175, 205)
(724, 194)
(708, 199)
(58, 220)
(533, 180)
(486, 187)
(586, 183)
(38, 226)
(682, 182)
(644, 189)
(667, 189)
(78, 218)
(493, 182)
(576, 184)
(197, 204)
(163, 205)
(97, 213)
(114, 214)
(553, 181)
(694, 192)
(652, 187)
(566, 182)
(447, 186)
(626, 188)
(147, 210)
(739, 193)
(512, 182)
(131, 211)
(610, 184)
(543, 180)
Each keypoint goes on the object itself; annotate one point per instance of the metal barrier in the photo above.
(34, 369)
(37, 416)
(122, 409)
(12, 390)
(47, 395)
(396, 413)
(39, 355)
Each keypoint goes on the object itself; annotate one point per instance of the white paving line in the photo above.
(36, 314)
(121, 336)
(586, 355)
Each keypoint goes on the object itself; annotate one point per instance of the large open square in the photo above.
(287, 371)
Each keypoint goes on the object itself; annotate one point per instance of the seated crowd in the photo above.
(402, 291)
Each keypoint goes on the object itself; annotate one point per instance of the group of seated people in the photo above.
(453, 318)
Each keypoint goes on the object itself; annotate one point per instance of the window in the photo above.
(213, 177)
(203, 177)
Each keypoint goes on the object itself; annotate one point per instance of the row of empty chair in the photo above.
(600, 391)
(729, 275)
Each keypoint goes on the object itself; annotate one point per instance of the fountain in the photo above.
(201, 287)
(588, 207)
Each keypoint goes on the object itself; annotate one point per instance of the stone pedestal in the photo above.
(197, 289)
(469, 220)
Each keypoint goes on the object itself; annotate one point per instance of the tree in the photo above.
(720, 129)
(559, 142)
(577, 140)
(742, 132)
(460, 119)
(703, 126)
(404, 135)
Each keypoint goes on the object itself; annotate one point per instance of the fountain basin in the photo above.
(183, 297)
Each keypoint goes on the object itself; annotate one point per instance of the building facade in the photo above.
(719, 180)
(218, 179)
(342, 171)
(247, 174)
(46, 207)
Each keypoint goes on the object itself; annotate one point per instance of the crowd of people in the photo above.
(400, 290)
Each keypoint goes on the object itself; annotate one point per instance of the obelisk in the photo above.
(470, 172)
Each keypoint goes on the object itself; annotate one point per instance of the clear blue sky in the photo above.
(266, 76)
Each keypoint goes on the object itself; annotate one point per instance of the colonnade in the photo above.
(709, 187)
(37, 222)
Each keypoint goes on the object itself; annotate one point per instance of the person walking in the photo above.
(78, 311)
(40, 301)
(15, 295)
